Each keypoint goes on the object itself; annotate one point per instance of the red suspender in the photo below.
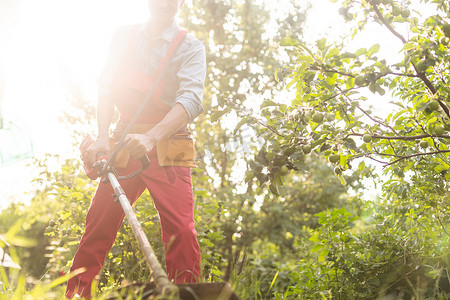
(173, 46)
(141, 81)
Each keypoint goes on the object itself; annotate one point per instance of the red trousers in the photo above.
(171, 190)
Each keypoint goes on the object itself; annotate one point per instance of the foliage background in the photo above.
(289, 143)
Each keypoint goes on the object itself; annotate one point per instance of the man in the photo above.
(139, 55)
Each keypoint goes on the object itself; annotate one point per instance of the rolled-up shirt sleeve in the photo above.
(191, 76)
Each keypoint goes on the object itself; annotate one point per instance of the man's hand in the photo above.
(139, 145)
(99, 146)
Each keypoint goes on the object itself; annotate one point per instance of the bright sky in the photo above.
(58, 41)
(54, 42)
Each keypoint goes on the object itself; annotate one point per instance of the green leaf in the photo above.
(348, 55)
(288, 41)
(331, 80)
(294, 80)
(305, 58)
(325, 147)
(380, 90)
(64, 278)
(217, 115)
(361, 51)
(442, 167)
(273, 280)
(342, 179)
(249, 176)
(268, 103)
(321, 43)
(241, 123)
(12, 236)
(323, 255)
(314, 238)
(408, 46)
(317, 248)
(442, 146)
(374, 49)
(274, 189)
(350, 144)
(361, 166)
(333, 52)
(276, 75)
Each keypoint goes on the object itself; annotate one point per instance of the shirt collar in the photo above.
(168, 34)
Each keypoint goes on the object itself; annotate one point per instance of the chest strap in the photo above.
(175, 44)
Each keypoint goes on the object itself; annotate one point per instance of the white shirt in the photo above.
(185, 74)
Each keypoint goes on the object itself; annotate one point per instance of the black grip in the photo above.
(100, 154)
(145, 162)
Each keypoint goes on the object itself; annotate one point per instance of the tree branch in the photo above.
(266, 126)
(377, 121)
(402, 137)
(386, 23)
(442, 225)
(444, 106)
(342, 92)
(414, 155)
(402, 74)
(378, 161)
(421, 75)
(331, 71)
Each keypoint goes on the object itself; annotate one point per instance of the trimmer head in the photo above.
(191, 291)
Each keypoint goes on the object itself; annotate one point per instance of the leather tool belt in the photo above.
(175, 151)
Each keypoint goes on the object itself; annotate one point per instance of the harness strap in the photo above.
(176, 42)
(173, 47)
(143, 79)
(157, 78)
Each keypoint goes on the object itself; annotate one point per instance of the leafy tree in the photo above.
(329, 115)
(242, 58)
(240, 66)
(243, 228)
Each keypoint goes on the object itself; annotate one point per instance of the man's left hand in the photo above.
(139, 145)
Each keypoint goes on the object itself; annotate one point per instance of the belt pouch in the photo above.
(122, 157)
(176, 151)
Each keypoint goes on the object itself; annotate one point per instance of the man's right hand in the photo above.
(98, 146)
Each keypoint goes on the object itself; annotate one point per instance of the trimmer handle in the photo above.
(100, 165)
(101, 156)
(91, 170)
(103, 164)
(103, 167)
(145, 162)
